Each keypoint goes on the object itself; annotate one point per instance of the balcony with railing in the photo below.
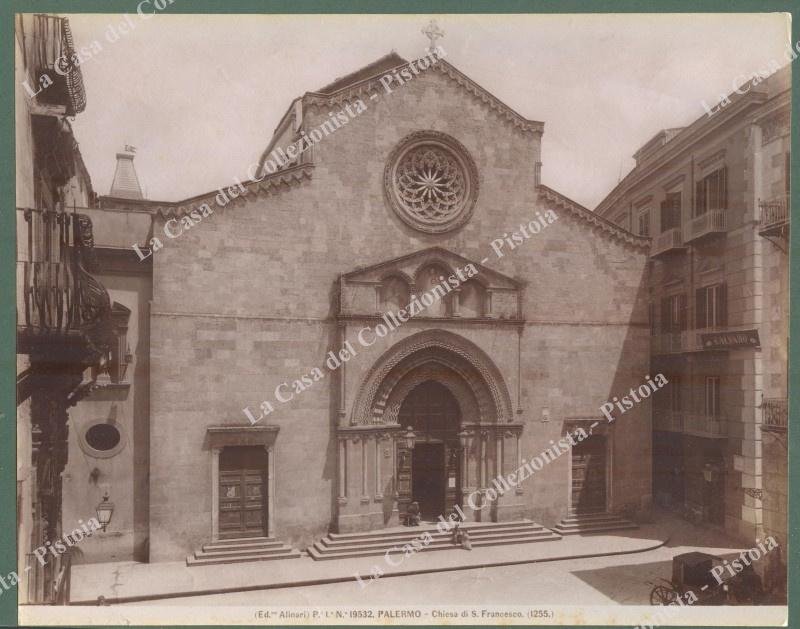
(667, 421)
(773, 217)
(674, 342)
(775, 414)
(709, 223)
(702, 425)
(62, 309)
(666, 241)
(49, 51)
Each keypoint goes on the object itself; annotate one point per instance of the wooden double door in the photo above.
(243, 492)
(589, 463)
(434, 479)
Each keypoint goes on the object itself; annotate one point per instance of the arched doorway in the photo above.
(456, 400)
(432, 468)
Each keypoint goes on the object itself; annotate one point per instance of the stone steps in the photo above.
(585, 523)
(240, 550)
(347, 545)
(411, 532)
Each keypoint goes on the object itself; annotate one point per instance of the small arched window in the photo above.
(395, 294)
(433, 291)
(472, 300)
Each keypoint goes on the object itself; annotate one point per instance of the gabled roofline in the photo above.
(347, 79)
(593, 218)
(371, 84)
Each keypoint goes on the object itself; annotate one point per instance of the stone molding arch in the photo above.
(432, 263)
(456, 352)
(427, 370)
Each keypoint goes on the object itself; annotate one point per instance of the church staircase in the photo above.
(241, 549)
(578, 522)
(346, 545)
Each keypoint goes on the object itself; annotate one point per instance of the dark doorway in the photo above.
(428, 479)
(668, 469)
(242, 492)
(589, 475)
(430, 474)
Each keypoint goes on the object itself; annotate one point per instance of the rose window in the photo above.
(431, 182)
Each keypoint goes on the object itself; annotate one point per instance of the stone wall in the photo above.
(244, 301)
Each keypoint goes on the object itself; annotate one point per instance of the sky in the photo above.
(200, 95)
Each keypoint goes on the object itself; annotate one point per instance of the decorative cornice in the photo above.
(710, 160)
(372, 85)
(495, 104)
(277, 182)
(241, 435)
(562, 202)
(691, 135)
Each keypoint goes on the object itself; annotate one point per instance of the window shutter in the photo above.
(700, 308)
(724, 188)
(675, 210)
(682, 311)
(722, 304)
(665, 315)
(700, 198)
(712, 184)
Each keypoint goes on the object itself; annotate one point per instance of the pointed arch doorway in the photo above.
(431, 471)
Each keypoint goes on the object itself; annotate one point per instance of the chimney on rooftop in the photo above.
(126, 182)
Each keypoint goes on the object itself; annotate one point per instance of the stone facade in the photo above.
(262, 289)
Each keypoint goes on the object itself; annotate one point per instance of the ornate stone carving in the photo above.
(757, 494)
(431, 182)
(775, 127)
(439, 339)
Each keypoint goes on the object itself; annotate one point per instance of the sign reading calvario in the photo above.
(725, 340)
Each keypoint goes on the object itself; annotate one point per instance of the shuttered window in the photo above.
(671, 211)
(711, 192)
(673, 313)
(712, 396)
(644, 223)
(711, 307)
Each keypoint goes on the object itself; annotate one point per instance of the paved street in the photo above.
(595, 581)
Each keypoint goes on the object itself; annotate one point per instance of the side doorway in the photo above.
(589, 465)
(243, 492)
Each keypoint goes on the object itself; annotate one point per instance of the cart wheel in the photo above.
(662, 595)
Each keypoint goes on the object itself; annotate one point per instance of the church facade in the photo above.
(284, 384)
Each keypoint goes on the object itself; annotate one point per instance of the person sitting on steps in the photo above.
(461, 538)
(412, 514)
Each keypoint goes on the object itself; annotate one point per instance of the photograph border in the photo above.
(8, 559)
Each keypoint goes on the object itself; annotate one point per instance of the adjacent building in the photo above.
(64, 316)
(714, 199)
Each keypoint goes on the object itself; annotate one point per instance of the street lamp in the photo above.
(410, 438)
(104, 512)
